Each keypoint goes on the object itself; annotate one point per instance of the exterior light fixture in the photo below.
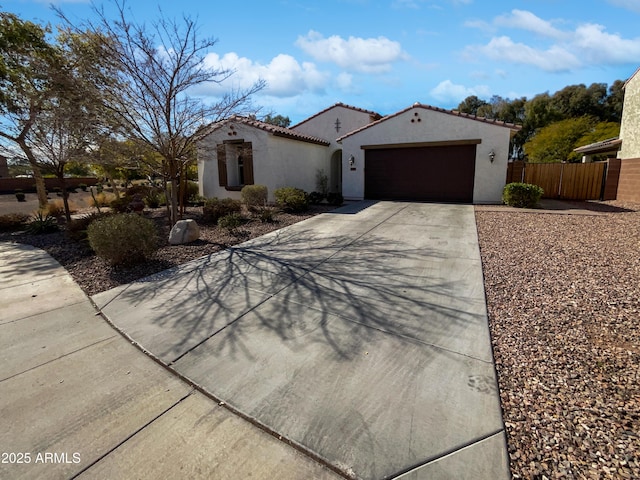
(352, 160)
(492, 155)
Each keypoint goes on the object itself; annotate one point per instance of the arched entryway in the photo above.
(335, 178)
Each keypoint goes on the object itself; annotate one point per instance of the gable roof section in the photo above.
(376, 115)
(512, 126)
(631, 77)
(269, 128)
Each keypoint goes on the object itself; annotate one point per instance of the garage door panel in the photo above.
(443, 173)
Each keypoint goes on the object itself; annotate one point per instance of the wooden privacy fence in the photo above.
(568, 181)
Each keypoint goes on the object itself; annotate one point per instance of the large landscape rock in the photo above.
(184, 231)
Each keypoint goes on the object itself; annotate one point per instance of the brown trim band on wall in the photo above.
(444, 143)
(235, 140)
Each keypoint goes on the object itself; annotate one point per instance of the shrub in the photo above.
(20, 196)
(137, 190)
(521, 195)
(291, 199)
(266, 215)
(42, 223)
(55, 208)
(125, 238)
(316, 197)
(121, 205)
(335, 198)
(82, 186)
(231, 221)
(254, 196)
(12, 221)
(152, 198)
(215, 208)
(76, 229)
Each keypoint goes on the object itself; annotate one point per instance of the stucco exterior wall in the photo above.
(630, 128)
(433, 126)
(277, 162)
(324, 124)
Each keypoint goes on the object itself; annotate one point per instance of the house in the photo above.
(419, 153)
(629, 153)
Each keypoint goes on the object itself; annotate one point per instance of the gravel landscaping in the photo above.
(563, 296)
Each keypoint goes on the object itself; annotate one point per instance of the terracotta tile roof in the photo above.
(511, 126)
(608, 145)
(376, 115)
(267, 127)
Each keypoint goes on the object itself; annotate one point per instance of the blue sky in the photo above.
(385, 55)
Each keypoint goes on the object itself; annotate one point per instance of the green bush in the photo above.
(12, 221)
(42, 223)
(192, 192)
(216, 208)
(153, 198)
(125, 238)
(291, 199)
(521, 195)
(254, 196)
(82, 186)
(231, 222)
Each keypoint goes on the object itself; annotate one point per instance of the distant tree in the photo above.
(277, 120)
(600, 131)
(555, 142)
(614, 102)
(159, 63)
(471, 105)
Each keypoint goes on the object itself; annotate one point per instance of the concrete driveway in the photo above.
(358, 336)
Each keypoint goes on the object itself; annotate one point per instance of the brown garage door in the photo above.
(435, 173)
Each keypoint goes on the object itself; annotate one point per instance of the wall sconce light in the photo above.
(352, 160)
(492, 155)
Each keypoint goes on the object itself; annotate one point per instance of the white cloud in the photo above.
(523, 20)
(369, 55)
(557, 50)
(284, 75)
(601, 47)
(554, 59)
(633, 5)
(448, 92)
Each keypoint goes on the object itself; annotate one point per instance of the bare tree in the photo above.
(159, 65)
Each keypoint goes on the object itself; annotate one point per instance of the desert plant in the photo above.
(322, 182)
(521, 195)
(152, 198)
(20, 196)
(12, 221)
(121, 204)
(254, 196)
(335, 198)
(216, 208)
(316, 197)
(124, 238)
(55, 208)
(291, 199)
(231, 222)
(266, 215)
(41, 223)
(76, 229)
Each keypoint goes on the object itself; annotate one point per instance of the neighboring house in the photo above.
(629, 183)
(420, 153)
(609, 147)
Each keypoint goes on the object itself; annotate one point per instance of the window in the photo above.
(235, 164)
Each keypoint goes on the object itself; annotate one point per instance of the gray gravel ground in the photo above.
(563, 296)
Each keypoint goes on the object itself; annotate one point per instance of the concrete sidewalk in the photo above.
(78, 400)
(360, 336)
